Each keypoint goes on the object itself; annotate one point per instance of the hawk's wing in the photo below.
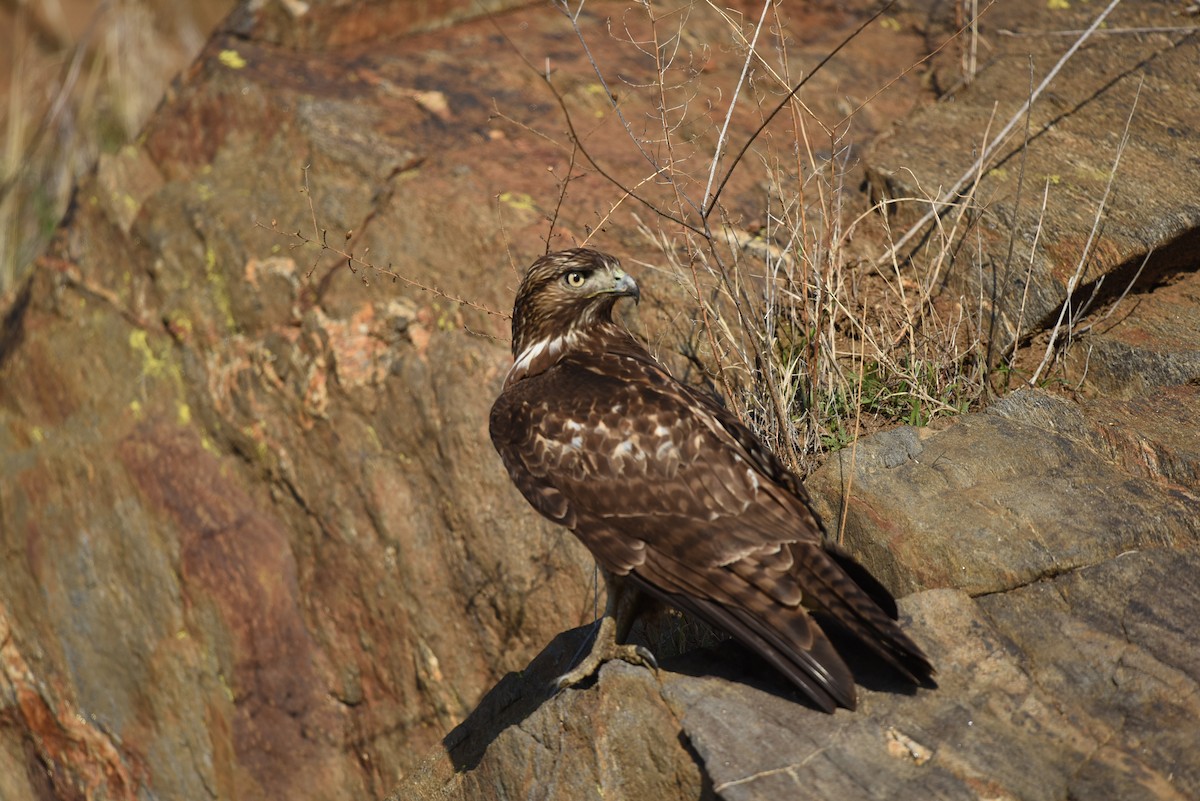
(662, 484)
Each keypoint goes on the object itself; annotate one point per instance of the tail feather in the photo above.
(835, 584)
(784, 634)
(865, 581)
(816, 669)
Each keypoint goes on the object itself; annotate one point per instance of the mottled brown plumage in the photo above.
(670, 492)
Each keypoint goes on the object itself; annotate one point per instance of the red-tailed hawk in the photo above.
(674, 496)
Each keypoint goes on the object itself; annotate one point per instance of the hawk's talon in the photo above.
(645, 658)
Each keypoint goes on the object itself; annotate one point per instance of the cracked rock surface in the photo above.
(1026, 490)
(1079, 686)
(256, 544)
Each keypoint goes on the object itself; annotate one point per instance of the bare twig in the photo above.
(562, 194)
(737, 90)
(320, 238)
(968, 25)
(577, 140)
(1037, 236)
(1120, 298)
(1086, 254)
(565, 8)
(1101, 32)
(708, 209)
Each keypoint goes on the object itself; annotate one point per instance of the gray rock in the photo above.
(996, 499)
(1083, 686)
(1155, 435)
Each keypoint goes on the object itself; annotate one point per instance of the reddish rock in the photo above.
(257, 544)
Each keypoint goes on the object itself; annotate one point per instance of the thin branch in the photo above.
(573, 18)
(352, 260)
(577, 140)
(737, 90)
(707, 212)
(1132, 282)
(562, 104)
(969, 24)
(1085, 255)
(320, 238)
(1037, 236)
(562, 196)
(1012, 233)
(613, 210)
(1101, 32)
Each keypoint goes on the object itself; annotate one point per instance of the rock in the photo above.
(1104, 709)
(1122, 652)
(619, 739)
(320, 24)
(260, 544)
(257, 544)
(995, 500)
(1147, 341)
(1154, 434)
(1074, 132)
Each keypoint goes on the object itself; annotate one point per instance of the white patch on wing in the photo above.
(628, 454)
(553, 348)
(530, 353)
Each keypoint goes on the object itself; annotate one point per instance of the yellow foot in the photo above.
(605, 649)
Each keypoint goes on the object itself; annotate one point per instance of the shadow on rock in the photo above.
(519, 694)
(515, 697)
(731, 661)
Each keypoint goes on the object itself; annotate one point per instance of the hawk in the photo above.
(676, 499)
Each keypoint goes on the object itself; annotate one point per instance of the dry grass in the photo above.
(811, 339)
(820, 323)
(81, 78)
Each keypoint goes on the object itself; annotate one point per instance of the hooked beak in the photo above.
(625, 286)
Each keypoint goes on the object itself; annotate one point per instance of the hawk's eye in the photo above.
(575, 278)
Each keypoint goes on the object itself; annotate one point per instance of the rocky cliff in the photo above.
(256, 543)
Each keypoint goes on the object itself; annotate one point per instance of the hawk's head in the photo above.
(564, 295)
